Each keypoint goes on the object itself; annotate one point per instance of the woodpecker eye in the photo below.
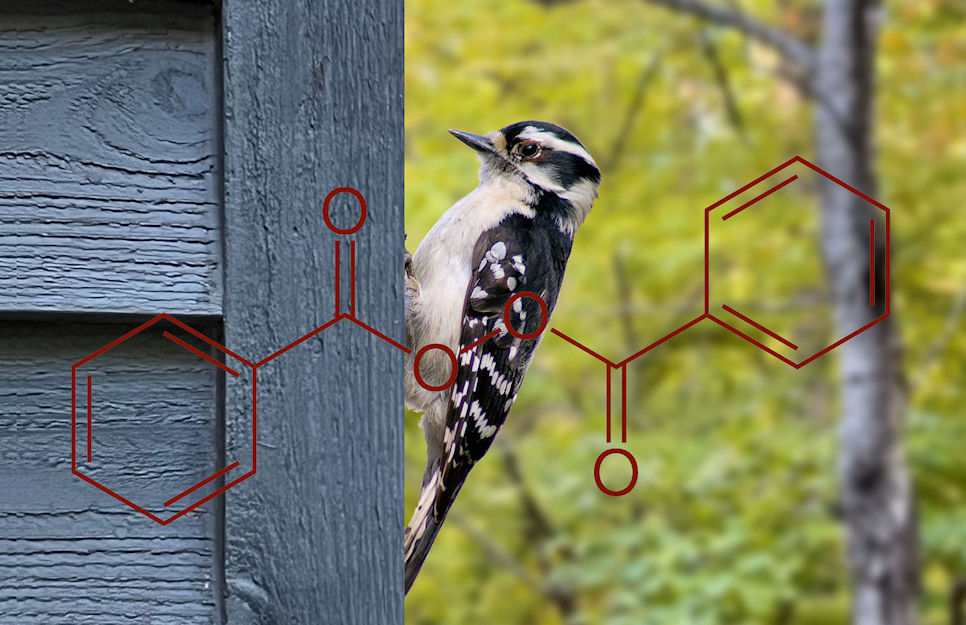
(529, 150)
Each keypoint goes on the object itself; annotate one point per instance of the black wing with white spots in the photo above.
(516, 256)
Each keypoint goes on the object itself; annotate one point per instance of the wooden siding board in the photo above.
(109, 181)
(313, 101)
(69, 552)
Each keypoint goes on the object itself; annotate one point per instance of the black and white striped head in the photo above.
(544, 155)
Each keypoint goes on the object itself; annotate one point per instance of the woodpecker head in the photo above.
(543, 155)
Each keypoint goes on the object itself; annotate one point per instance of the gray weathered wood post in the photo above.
(313, 101)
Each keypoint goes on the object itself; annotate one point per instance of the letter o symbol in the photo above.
(630, 485)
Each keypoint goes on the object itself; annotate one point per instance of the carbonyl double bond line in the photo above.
(610, 366)
(339, 315)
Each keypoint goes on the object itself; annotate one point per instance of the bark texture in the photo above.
(877, 501)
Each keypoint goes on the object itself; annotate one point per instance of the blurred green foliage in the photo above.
(733, 517)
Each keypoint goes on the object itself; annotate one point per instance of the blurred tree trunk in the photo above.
(877, 502)
(957, 616)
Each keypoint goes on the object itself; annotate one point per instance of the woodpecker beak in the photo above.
(477, 142)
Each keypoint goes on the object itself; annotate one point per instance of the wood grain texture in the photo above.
(313, 101)
(109, 181)
(68, 552)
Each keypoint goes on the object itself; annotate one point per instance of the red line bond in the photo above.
(379, 334)
(213, 476)
(254, 421)
(607, 373)
(872, 262)
(339, 316)
(738, 332)
(888, 263)
(840, 341)
(352, 278)
(624, 404)
(90, 429)
(175, 517)
(121, 498)
(73, 418)
(745, 187)
(338, 280)
(481, 340)
(660, 340)
(622, 365)
(707, 302)
(206, 339)
(751, 321)
(119, 340)
(707, 212)
(759, 198)
(200, 353)
(707, 263)
(237, 480)
(837, 181)
(152, 321)
(581, 346)
(208, 498)
(301, 339)
(609, 364)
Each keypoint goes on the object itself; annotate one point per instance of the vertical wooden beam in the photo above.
(313, 101)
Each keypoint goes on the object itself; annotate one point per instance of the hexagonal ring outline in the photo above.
(200, 483)
(707, 260)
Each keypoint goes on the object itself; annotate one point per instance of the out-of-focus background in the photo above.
(737, 516)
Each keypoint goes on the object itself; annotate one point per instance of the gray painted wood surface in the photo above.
(313, 101)
(70, 553)
(109, 203)
(109, 182)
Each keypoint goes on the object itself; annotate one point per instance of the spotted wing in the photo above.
(507, 260)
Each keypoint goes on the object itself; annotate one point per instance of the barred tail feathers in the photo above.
(426, 521)
(423, 526)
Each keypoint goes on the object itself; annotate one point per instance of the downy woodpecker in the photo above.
(513, 233)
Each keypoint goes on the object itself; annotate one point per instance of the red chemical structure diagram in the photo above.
(192, 494)
(731, 206)
(240, 369)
